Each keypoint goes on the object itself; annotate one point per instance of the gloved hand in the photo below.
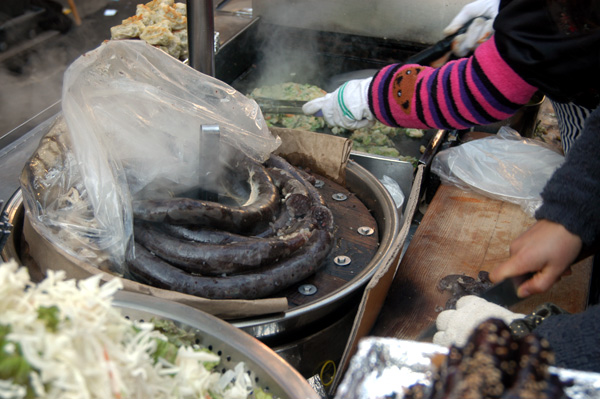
(347, 106)
(483, 13)
(455, 326)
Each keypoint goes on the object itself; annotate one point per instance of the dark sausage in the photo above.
(276, 161)
(263, 205)
(303, 263)
(220, 259)
(203, 234)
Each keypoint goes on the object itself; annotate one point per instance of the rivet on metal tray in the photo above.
(319, 183)
(307, 289)
(365, 231)
(339, 197)
(342, 260)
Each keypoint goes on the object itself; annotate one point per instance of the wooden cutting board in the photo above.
(462, 233)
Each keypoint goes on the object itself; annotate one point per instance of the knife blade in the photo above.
(503, 294)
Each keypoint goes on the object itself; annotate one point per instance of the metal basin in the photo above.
(270, 372)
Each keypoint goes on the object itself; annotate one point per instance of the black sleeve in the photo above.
(552, 50)
(574, 338)
(572, 195)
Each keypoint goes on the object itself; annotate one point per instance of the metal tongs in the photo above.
(273, 106)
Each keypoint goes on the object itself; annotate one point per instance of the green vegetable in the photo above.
(49, 315)
(260, 394)
(13, 365)
(176, 337)
(376, 139)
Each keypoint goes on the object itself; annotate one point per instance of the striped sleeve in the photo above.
(462, 93)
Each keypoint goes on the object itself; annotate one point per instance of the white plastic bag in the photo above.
(504, 166)
(134, 116)
(394, 189)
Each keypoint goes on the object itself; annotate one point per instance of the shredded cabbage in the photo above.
(64, 339)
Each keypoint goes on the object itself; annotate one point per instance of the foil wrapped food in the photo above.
(385, 367)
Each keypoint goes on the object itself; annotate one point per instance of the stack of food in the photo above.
(493, 364)
(250, 250)
(161, 23)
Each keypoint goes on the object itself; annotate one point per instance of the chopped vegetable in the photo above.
(376, 139)
(415, 133)
(64, 339)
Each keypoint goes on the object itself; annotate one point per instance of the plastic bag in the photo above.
(394, 189)
(504, 166)
(134, 116)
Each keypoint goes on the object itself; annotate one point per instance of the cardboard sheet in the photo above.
(377, 289)
(323, 154)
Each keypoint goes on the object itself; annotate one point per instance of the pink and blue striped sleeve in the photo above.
(462, 93)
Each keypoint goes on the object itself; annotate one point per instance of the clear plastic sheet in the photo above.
(384, 367)
(505, 166)
(133, 118)
(394, 189)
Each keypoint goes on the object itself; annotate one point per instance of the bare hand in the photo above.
(546, 249)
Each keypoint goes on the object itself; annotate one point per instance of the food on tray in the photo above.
(276, 236)
(291, 91)
(493, 364)
(376, 139)
(64, 339)
(414, 133)
(161, 23)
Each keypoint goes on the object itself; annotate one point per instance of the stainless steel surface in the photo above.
(271, 372)
(201, 35)
(417, 21)
(18, 147)
(402, 172)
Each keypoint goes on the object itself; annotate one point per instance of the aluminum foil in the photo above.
(384, 367)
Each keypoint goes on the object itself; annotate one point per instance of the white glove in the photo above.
(347, 106)
(455, 326)
(483, 12)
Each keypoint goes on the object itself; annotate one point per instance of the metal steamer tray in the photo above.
(269, 371)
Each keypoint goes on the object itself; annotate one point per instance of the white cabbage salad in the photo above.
(63, 339)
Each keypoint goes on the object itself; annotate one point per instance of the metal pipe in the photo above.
(201, 35)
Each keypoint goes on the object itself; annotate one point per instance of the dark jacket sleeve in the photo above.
(574, 338)
(553, 46)
(572, 195)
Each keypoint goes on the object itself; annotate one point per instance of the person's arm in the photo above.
(574, 339)
(568, 220)
(470, 91)
(478, 90)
